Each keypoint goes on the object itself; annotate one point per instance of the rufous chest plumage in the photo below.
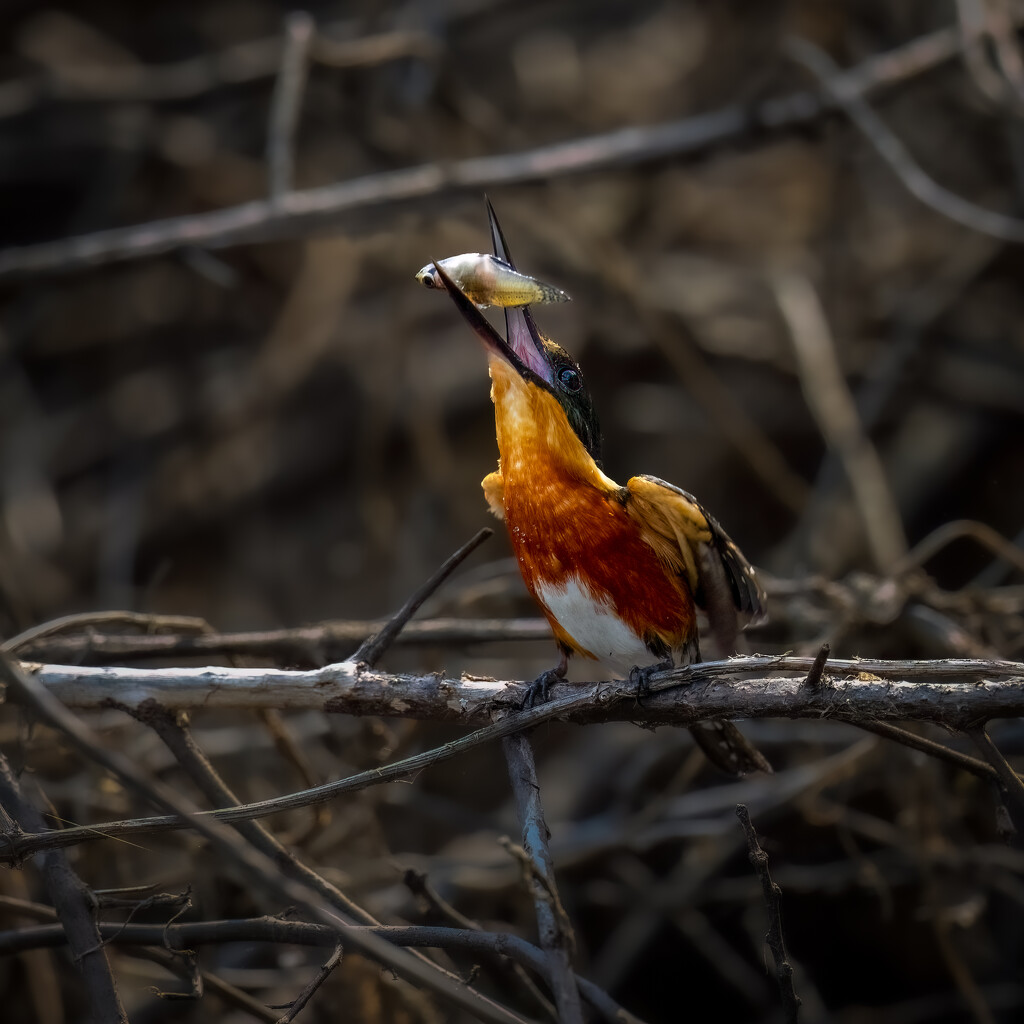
(602, 587)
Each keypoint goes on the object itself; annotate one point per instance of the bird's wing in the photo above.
(694, 544)
(494, 491)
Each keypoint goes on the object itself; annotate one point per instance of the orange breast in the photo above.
(567, 524)
(562, 529)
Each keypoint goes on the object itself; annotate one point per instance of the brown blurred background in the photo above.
(272, 434)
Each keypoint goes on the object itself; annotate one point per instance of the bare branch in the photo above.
(317, 644)
(418, 883)
(897, 156)
(814, 676)
(773, 901)
(185, 965)
(552, 924)
(73, 902)
(286, 102)
(1010, 783)
(309, 991)
(301, 211)
(951, 691)
(945, 534)
(88, 620)
(930, 747)
(186, 79)
(835, 411)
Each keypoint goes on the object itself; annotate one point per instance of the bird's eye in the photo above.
(569, 379)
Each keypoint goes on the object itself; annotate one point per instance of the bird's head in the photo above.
(537, 360)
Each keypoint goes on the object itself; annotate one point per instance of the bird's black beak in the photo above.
(493, 341)
(520, 329)
(522, 346)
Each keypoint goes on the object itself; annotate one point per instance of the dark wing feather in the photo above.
(714, 551)
(722, 582)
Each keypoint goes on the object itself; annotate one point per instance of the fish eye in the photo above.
(569, 379)
(428, 281)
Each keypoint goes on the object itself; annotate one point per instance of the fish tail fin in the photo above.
(549, 293)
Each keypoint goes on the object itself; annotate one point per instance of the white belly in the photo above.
(594, 626)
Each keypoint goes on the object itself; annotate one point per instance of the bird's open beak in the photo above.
(495, 344)
(520, 329)
(523, 347)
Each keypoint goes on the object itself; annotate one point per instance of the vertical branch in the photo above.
(834, 410)
(74, 904)
(773, 900)
(286, 103)
(552, 923)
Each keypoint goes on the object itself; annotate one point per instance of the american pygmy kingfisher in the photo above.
(618, 572)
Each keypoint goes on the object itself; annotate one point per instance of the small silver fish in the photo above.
(489, 281)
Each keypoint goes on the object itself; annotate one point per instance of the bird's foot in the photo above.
(537, 691)
(640, 676)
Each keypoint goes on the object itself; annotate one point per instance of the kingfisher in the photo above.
(618, 571)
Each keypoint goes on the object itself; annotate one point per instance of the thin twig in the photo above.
(814, 676)
(832, 405)
(371, 650)
(186, 79)
(286, 102)
(301, 211)
(73, 903)
(773, 901)
(897, 156)
(1010, 783)
(299, 1002)
(203, 981)
(16, 907)
(332, 641)
(418, 883)
(87, 620)
(989, 81)
(318, 644)
(945, 534)
(552, 922)
(930, 747)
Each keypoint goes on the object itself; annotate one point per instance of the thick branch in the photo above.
(954, 692)
(297, 212)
